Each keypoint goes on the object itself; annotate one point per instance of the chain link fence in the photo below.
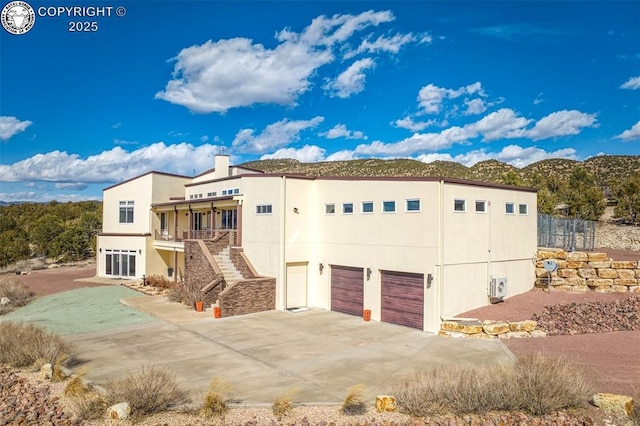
(568, 234)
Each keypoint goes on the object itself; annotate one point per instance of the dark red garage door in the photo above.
(403, 298)
(347, 292)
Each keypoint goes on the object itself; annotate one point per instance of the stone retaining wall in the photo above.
(491, 329)
(586, 271)
(248, 296)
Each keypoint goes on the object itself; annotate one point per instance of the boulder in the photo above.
(567, 273)
(527, 325)
(386, 403)
(599, 265)
(467, 327)
(46, 371)
(455, 334)
(620, 405)
(577, 256)
(619, 288)
(120, 411)
(607, 273)
(537, 333)
(627, 274)
(575, 264)
(515, 335)
(597, 257)
(496, 328)
(587, 272)
(600, 282)
(551, 254)
(624, 264)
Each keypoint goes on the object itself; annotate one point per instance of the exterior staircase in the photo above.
(227, 267)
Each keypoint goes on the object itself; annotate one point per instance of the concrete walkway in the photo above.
(317, 355)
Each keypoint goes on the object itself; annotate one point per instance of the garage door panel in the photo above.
(403, 298)
(347, 292)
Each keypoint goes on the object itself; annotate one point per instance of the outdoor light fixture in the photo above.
(321, 267)
(139, 251)
(368, 274)
(295, 210)
(100, 249)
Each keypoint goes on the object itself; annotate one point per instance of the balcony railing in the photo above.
(190, 234)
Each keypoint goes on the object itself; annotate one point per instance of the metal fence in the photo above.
(568, 234)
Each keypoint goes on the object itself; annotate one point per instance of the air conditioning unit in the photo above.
(498, 287)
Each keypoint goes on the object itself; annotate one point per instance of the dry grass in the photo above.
(535, 385)
(215, 403)
(22, 345)
(635, 414)
(160, 281)
(16, 291)
(86, 403)
(149, 390)
(282, 407)
(354, 403)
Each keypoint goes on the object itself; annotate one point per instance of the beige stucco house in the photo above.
(413, 251)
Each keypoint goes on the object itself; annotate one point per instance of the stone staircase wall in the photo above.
(248, 296)
(199, 272)
(587, 271)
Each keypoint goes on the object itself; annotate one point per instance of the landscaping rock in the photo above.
(620, 405)
(120, 411)
(496, 328)
(468, 327)
(46, 371)
(5, 301)
(386, 403)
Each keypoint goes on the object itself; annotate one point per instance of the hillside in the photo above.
(603, 168)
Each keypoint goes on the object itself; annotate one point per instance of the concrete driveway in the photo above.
(317, 355)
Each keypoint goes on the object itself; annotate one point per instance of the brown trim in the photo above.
(123, 234)
(187, 185)
(176, 198)
(145, 174)
(194, 202)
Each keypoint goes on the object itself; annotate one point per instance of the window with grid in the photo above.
(126, 211)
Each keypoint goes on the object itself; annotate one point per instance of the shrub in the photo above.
(354, 403)
(85, 402)
(149, 390)
(282, 407)
(635, 414)
(216, 399)
(536, 385)
(16, 291)
(22, 344)
(159, 281)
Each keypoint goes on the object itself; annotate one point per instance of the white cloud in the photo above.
(431, 97)
(204, 138)
(475, 106)
(125, 142)
(114, 165)
(275, 135)
(500, 124)
(631, 134)
(341, 156)
(538, 99)
(71, 186)
(117, 125)
(340, 131)
(633, 83)
(306, 154)
(389, 44)
(231, 73)
(351, 80)
(414, 126)
(10, 126)
(513, 154)
(561, 123)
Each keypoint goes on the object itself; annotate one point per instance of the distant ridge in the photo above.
(603, 168)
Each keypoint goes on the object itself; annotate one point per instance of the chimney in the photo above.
(221, 166)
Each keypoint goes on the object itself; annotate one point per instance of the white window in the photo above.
(264, 209)
(191, 196)
(481, 206)
(413, 205)
(126, 211)
(459, 205)
(199, 195)
(509, 208)
(347, 208)
(236, 191)
(388, 206)
(210, 194)
(329, 208)
(523, 209)
(367, 207)
(224, 192)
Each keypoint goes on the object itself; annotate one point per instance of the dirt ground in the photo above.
(55, 280)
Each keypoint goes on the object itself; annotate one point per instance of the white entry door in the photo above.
(296, 285)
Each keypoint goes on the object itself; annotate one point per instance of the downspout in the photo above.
(283, 242)
(440, 281)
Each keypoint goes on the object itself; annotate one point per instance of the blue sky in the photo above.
(170, 83)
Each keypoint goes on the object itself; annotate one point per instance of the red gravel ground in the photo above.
(55, 280)
(612, 360)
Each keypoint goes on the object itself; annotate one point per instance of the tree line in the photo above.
(61, 231)
(579, 196)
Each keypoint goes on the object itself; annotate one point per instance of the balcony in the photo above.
(173, 239)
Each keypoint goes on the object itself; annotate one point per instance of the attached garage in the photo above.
(403, 298)
(347, 289)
